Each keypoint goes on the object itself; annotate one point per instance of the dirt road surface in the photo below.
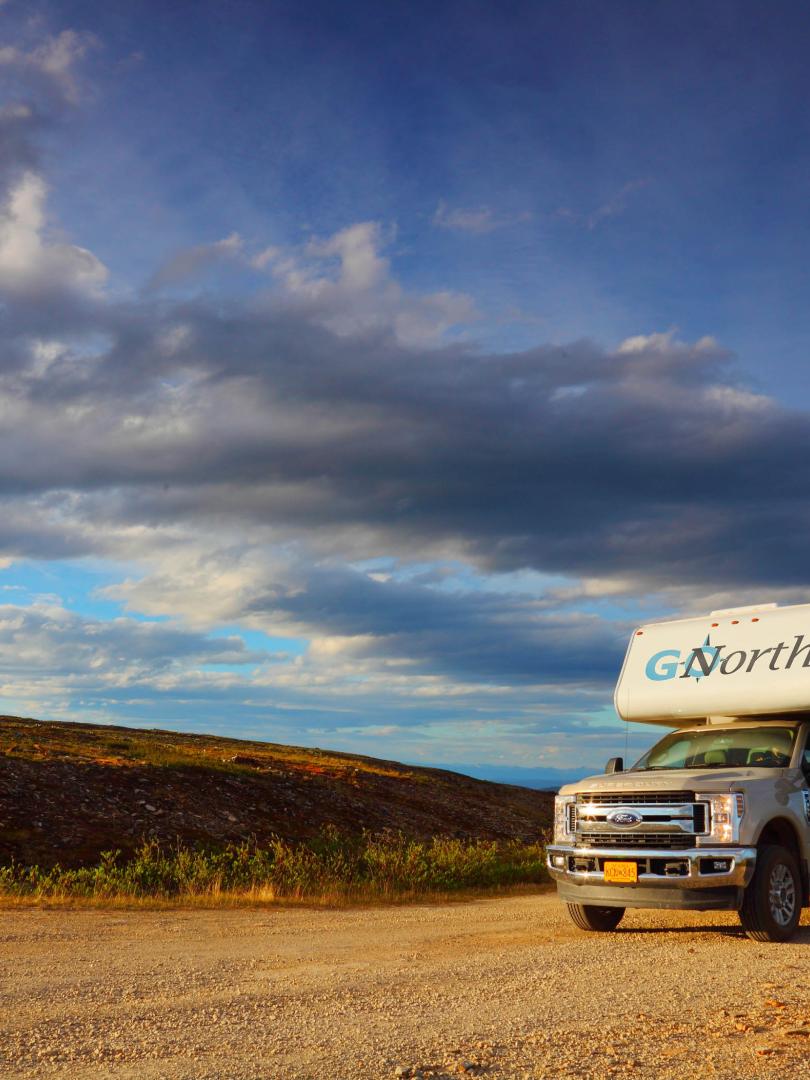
(495, 988)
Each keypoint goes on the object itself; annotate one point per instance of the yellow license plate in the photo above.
(625, 873)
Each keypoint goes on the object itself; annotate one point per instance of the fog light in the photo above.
(558, 860)
(715, 866)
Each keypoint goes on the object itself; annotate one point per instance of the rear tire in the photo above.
(772, 903)
(590, 917)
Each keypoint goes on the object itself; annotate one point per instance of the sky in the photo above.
(368, 372)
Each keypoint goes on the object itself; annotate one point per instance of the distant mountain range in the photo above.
(541, 778)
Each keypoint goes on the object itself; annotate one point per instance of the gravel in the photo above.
(493, 988)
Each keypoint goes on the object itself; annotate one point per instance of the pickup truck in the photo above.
(717, 814)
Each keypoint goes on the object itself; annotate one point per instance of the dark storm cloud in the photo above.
(648, 461)
(472, 635)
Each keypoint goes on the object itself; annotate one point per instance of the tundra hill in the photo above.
(70, 791)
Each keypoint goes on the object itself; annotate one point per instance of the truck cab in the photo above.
(717, 814)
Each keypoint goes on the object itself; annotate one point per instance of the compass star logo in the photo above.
(709, 653)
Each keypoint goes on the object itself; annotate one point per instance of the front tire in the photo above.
(590, 917)
(772, 902)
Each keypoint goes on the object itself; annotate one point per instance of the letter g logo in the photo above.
(664, 665)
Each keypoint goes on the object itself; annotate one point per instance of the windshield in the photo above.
(760, 747)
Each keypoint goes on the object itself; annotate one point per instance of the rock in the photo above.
(246, 759)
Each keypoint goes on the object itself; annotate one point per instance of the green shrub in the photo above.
(330, 865)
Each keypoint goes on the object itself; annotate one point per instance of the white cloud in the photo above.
(48, 639)
(28, 259)
(667, 343)
(344, 282)
(481, 219)
(208, 584)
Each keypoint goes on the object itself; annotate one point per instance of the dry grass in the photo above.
(259, 899)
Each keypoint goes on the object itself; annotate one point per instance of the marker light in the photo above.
(563, 832)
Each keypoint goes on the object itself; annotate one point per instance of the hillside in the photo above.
(70, 791)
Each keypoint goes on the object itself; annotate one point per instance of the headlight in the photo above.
(725, 812)
(564, 809)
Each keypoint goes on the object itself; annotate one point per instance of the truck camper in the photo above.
(717, 814)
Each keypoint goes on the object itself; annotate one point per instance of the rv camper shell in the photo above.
(749, 662)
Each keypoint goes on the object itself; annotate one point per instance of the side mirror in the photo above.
(616, 764)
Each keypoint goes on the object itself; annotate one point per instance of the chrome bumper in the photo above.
(694, 866)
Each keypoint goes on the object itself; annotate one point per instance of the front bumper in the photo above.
(672, 868)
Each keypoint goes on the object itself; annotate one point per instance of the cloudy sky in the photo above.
(369, 370)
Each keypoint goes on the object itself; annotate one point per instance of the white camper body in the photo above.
(717, 813)
(739, 663)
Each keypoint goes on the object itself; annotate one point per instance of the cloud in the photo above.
(35, 259)
(46, 639)
(191, 261)
(344, 282)
(613, 207)
(28, 260)
(481, 220)
(52, 63)
(647, 463)
(353, 617)
(19, 124)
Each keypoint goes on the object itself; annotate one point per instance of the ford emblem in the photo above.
(624, 819)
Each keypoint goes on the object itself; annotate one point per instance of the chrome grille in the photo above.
(670, 819)
(671, 841)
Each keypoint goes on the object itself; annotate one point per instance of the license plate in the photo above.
(625, 873)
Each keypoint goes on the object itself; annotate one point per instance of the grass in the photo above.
(330, 868)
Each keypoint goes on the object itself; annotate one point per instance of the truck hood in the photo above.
(703, 780)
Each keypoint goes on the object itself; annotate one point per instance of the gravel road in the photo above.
(496, 988)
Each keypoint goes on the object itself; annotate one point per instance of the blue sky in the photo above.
(647, 164)
(369, 370)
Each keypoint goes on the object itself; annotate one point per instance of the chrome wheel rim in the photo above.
(782, 894)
